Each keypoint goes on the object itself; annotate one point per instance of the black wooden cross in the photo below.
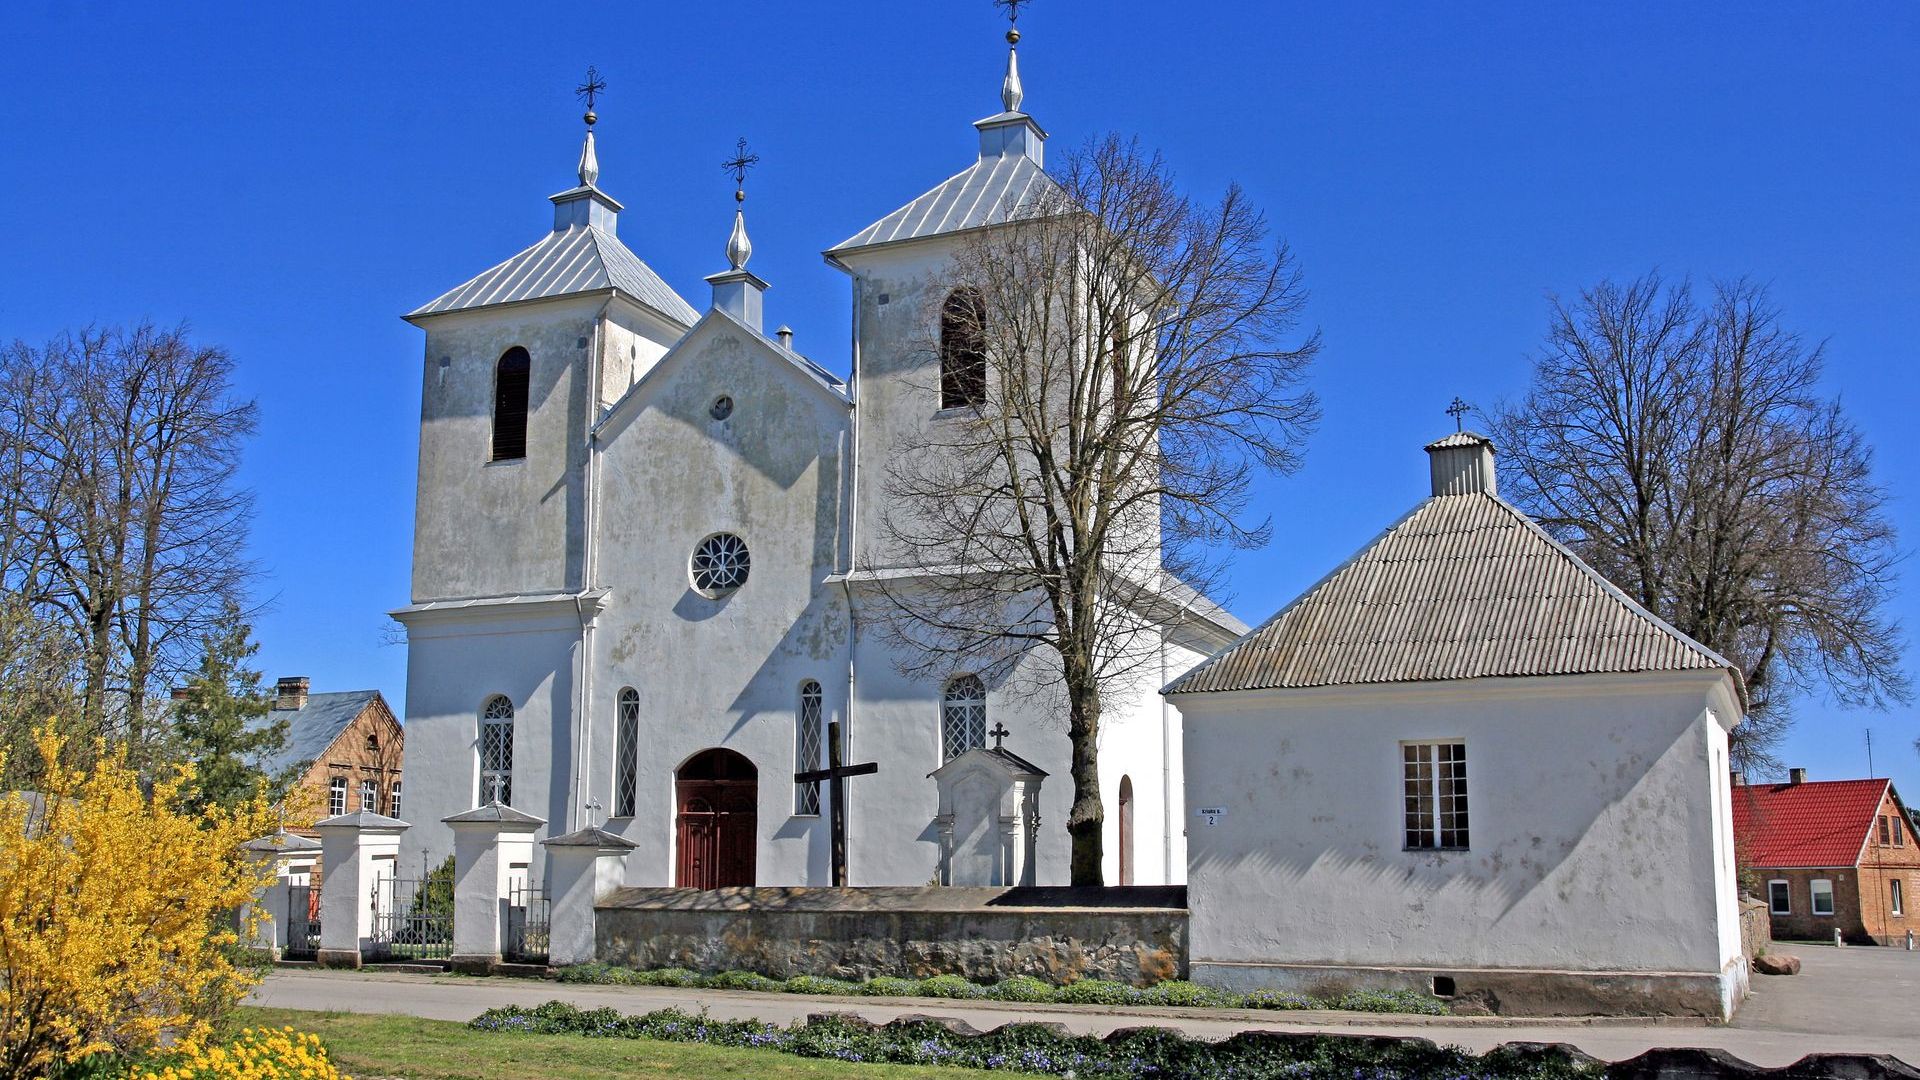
(837, 812)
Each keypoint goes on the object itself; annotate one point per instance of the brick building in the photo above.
(351, 744)
(1826, 855)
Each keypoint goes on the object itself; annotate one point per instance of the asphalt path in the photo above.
(1853, 1000)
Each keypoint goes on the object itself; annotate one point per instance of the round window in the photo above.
(722, 407)
(720, 564)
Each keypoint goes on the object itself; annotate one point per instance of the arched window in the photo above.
(963, 350)
(626, 762)
(806, 748)
(511, 380)
(496, 751)
(963, 716)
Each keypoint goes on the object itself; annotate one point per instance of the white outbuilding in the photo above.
(1465, 763)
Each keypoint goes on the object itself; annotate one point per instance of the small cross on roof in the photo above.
(999, 734)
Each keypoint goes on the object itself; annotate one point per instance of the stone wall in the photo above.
(1756, 929)
(1131, 935)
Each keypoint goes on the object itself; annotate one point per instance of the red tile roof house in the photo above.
(1830, 854)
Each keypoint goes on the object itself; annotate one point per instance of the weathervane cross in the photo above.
(1011, 7)
(738, 166)
(1457, 410)
(591, 90)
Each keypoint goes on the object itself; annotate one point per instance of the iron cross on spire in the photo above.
(1458, 410)
(1012, 8)
(590, 91)
(738, 166)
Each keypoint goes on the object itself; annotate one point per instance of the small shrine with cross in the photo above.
(989, 815)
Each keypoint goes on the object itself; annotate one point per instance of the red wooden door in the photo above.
(717, 796)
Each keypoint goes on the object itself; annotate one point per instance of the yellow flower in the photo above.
(257, 1055)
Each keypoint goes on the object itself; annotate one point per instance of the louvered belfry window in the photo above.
(496, 751)
(963, 350)
(626, 773)
(512, 379)
(1435, 776)
(963, 716)
(806, 748)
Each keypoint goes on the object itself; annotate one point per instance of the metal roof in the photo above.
(1815, 823)
(1464, 587)
(312, 728)
(988, 192)
(582, 259)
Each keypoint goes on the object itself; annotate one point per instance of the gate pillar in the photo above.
(263, 922)
(582, 867)
(358, 852)
(492, 849)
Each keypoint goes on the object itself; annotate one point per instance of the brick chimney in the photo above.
(1796, 776)
(290, 693)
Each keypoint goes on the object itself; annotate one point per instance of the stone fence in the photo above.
(1134, 935)
(1756, 928)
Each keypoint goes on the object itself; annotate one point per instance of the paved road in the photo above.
(1855, 1000)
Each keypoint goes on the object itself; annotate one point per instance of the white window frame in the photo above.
(393, 800)
(963, 716)
(1433, 820)
(809, 718)
(1786, 889)
(1899, 897)
(496, 774)
(336, 796)
(369, 796)
(1813, 896)
(626, 752)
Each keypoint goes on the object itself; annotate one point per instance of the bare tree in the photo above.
(1687, 453)
(120, 519)
(1121, 353)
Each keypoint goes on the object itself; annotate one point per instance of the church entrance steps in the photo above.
(1135, 935)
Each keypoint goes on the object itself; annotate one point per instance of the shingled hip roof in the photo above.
(1812, 824)
(1463, 587)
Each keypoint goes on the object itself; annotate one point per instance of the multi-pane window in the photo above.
(1899, 832)
(1822, 896)
(806, 748)
(1435, 780)
(1779, 897)
(963, 350)
(369, 796)
(512, 379)
(1886, 831)
(720, 564)
(393, 800)
(626, 767)
(336, 796)
(963, 716)
(496, 751)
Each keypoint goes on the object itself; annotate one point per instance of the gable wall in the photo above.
(350, 757)
(1595, 839)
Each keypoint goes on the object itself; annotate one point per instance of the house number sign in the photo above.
(1213, 814)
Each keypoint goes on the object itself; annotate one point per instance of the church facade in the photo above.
(647, 548)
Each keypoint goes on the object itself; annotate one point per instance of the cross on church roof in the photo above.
(590, 91)
(999, 734)
(738, 166)
(1458, 410)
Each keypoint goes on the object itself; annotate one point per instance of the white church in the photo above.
(646, 557)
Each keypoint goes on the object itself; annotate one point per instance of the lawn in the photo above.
(374, 1047)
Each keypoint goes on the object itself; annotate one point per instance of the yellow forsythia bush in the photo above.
(115, 912)
(264, 1054)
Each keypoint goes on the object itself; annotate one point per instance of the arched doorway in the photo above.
(1126, 830)
(715, 796)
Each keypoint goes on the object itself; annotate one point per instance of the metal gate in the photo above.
(527, 924)
(412, 919)
(303, 921)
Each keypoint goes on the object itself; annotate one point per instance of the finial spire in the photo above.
(739, 248)
(589, 92)
(1011, 93)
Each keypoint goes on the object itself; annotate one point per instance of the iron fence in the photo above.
(527, 924)
(412, 919)
(303, 921)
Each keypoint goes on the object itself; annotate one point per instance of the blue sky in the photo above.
(290, 180)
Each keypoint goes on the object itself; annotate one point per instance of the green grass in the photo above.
(378, 1046)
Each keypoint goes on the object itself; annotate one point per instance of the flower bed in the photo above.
(1020, 988)
(1048, 1049)
(256, 1055)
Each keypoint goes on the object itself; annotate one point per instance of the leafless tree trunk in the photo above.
(1136, 377)
(1686, 452)
(119, 517)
